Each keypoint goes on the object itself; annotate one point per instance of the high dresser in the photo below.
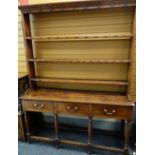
(80, 62)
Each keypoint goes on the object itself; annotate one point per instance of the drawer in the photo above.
(110, 111)
(73, 108)
(38, 106)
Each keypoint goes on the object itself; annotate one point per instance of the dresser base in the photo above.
(89, 105)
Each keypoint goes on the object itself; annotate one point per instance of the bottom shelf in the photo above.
(107, 140)
(73, 135)
(67, 136)
(43, 133)
(41, 138)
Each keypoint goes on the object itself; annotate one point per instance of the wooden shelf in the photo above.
(75, 96)
(75, 5)
(80, 81)
(82, 37)
(42, 133)
(79, 61)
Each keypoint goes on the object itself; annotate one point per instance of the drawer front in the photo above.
(38, 106)
(111, 111)
(74, 109)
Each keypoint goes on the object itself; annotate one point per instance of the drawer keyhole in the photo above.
(109, 113)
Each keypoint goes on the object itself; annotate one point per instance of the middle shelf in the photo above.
(79, 61)
(81, 37)
(80, 81)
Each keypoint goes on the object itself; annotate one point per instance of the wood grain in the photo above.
(131, 55)
(79, 61)
(75, 5)
(81, 81)
(76, 97)
(111, 111)
(81, 37)
(93, 27)
(36, 106)
(28, 47)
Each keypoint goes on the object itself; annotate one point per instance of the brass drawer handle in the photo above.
(109, 113)
(72, 108)
(37, 106)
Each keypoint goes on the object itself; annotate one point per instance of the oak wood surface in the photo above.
(73, 109)
(21, 127)
(37, 106)
(82, 37)
(76, 97)
(76, 5)
(73, 143)
(28, 47)
(79, 61)
(81, 81)
(131, 55)
(40, 138)
(101, 147)
(90, 129)
(106, 111)
(90, 104)
(123, 19)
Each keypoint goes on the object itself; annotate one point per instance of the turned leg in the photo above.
(122, 128)
(89, 134)
(27, 124)
(127, 136)
(21, 128)
(56, 130)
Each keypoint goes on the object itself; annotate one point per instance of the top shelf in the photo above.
(76, 5)
(82, 37)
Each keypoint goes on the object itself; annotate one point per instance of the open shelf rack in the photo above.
(77, 102)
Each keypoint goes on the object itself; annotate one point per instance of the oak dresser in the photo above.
(80, 60)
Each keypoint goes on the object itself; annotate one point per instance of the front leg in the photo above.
(57, 139)
(127, 136)
(27, 124)
(89, 134)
